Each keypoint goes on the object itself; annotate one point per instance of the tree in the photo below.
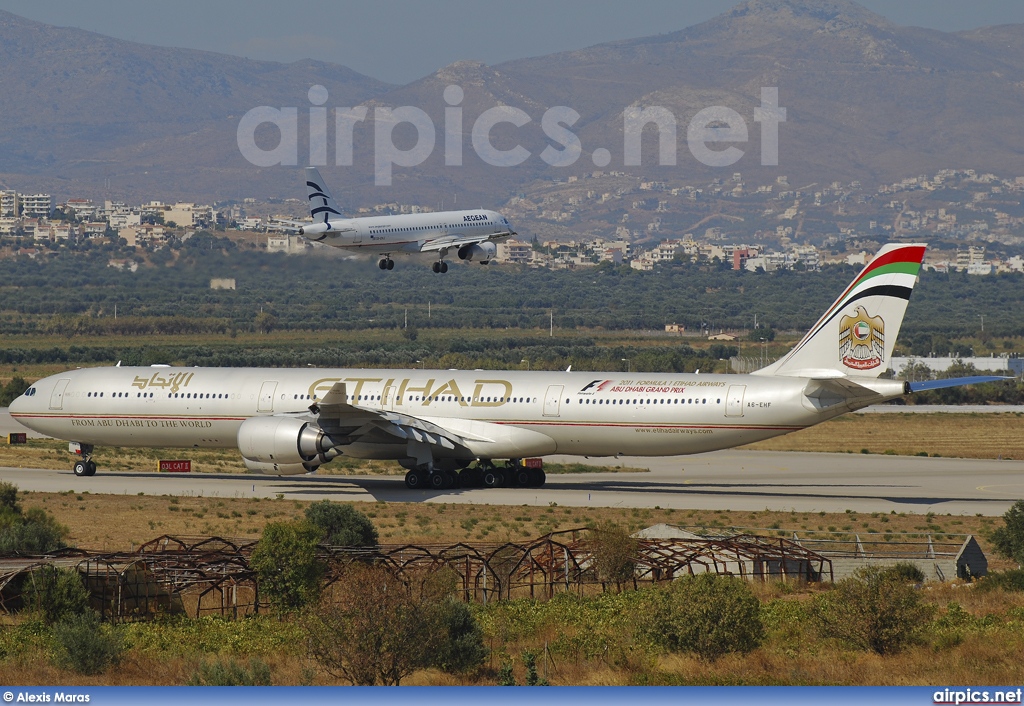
(33, 531)
(378, 629)
(1008, 540)
(374, 632)
(709, 615)
(915, 371)
(12, 390)
(265, 322)
(286, 565)
(341, 524)
(876, 610)
(614, 554)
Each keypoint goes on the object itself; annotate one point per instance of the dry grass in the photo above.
(120, 522)
(956, 435)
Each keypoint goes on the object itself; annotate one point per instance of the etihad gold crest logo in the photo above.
(861, 340)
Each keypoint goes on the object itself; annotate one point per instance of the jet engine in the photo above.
(283, 441)
(481, 252)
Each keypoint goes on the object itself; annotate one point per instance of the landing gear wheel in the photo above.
(451, 480)
(382, 263)
(444, 266)
(90, 469)
(537, 477)
(81, 468)
(437, 481)
(493, 478)
(391, 264)
(523, 478)
(414, 480)
(470, 478)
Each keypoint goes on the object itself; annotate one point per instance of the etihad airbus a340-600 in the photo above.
(471, 235)
(456, 427)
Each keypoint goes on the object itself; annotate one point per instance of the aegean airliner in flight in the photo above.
(471, 235)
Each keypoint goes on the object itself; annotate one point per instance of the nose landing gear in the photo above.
(85, 466)
(386, 263)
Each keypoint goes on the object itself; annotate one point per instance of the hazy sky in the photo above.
(402, 40)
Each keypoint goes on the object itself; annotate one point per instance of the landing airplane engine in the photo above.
(481, 252)
(282, 441)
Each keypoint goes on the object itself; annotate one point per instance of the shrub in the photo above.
(379, 629)
(55, 593)
(84, 645)
(903, 571)
(286, 565)
(375, 632)
(231, 673)
(1008, 540)
(873, 610)
(1011, 580)
(32, 532)
(341, 525)
(709, 615)
(458, 640)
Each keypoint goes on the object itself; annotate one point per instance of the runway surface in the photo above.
(726, 480)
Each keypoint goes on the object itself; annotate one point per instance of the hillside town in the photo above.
(973, 222)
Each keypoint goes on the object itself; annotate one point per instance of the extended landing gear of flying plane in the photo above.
(440, 267)
(484, 475)
(84, 466)
(386, 263)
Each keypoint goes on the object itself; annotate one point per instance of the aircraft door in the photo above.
(57, 396)
(552, 401)
(734, 401)
(357, 234)
(387, 399)
(266, 403)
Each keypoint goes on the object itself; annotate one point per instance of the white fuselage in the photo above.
(409, 233)
(502, 414)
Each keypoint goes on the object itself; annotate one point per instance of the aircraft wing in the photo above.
(447, 242)
(290, 225)
(346, 424)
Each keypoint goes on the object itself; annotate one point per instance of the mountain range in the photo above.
(865, 99)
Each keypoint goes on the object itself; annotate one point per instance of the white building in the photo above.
(36, 205)
(10, 204)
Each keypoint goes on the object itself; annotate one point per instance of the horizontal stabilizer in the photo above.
(953, 382)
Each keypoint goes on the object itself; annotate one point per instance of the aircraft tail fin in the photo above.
(857, 334)
(322, 207)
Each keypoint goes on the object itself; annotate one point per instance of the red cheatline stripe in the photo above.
(626, 425)
(184, 417)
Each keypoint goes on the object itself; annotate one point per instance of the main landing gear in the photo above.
(84, 466)
(485, 474)
(386, 263)
(440, 267)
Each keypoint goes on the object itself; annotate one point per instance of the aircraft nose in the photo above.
(17, 405)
